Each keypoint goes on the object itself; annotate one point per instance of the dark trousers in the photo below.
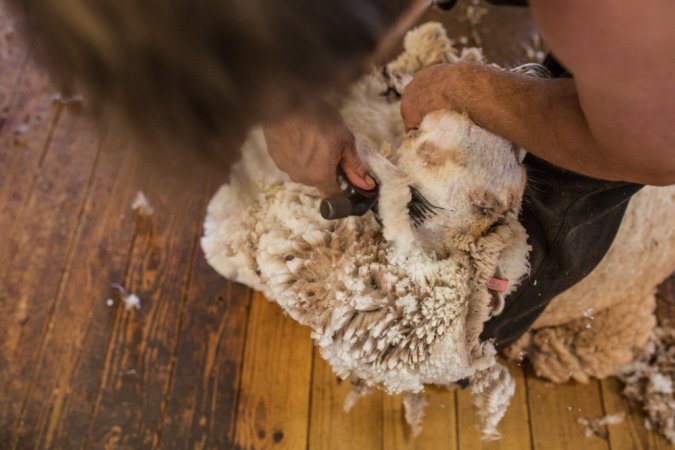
(571, 221)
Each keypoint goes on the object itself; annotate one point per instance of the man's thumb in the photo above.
(356, 170)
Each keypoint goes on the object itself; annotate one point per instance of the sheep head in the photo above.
(469, 178)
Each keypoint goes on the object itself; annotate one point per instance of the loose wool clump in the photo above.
(390, 304)
(649, 380)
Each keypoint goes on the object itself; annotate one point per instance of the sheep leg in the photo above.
(595, 345)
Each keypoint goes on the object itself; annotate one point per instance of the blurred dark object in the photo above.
(554, 66)
(509, 2)
(447, 5)
(202, 72)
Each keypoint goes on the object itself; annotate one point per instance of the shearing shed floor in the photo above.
(115, 334)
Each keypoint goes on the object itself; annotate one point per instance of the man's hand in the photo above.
(429, 91)
(310, 145)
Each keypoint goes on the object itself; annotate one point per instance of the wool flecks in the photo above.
(130, 300)
(414, 406)
(141, 205)
(595, 426)
(492, 390)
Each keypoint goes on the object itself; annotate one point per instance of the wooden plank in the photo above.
(139, 368)
(502, 32)
(514, 427)
(43, 240)
(275, 386)
(555, 409)
(331, 428)
(203, 397)
(439, 427)
(631, 434)
(71, 359)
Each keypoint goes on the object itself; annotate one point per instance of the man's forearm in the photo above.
(541, 115)
(544, 116)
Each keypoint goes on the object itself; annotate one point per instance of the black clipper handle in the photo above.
(353, 201)
(447, 5)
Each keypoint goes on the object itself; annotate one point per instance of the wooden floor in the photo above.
(204, 363)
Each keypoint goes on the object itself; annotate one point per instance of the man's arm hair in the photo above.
(548, 118)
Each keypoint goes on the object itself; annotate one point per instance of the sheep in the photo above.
(385, 305)
(397, 305)
(390, 304)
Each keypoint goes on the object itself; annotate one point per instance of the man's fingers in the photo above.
(410, 118)
(355, 169)
(329, 190)
(324, 179)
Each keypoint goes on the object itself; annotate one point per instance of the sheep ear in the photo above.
(376, 161)
(365, 147)
(386, 150)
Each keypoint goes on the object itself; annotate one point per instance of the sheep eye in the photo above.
(419, 208)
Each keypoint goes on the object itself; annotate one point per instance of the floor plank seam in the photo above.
(382, 419)
(249, 302)
(603, 409)
(98, 398)
(526, 385)
(48, 141)
(119, 322)
(456, 402)
(309, 409)
(247, 314)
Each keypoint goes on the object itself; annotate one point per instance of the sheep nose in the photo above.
(486, 204)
